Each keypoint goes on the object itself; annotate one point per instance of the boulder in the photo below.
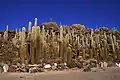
(5, 68)
(47, 66)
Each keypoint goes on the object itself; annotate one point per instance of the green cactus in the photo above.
(69, 54)
(0, 37)
(29, 26)
(37, 56)
(22, 48)
(5, 36)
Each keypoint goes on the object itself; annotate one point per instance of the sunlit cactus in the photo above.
(105, 45)
(83, 45)
(7, 28)
(43, 33)
(112, 42)
(0, 37)
(61, 32)
(23, 36)
(30, 27)
(65, 48)
(114, 39)
(5, 36)
(69, 54)
(22, 49)
(37, 43)
(35, 23)
(65, 43)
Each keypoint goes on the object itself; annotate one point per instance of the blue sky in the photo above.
(91, 13)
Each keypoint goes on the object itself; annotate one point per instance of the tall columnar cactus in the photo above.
(97, 40)
(105, 45)
(35, 23)
(43, 34)
(0, 37)
(61, 32)
(42, 42)
(83, 46)
(117, 44)
(112, 42)
(53, 36)
(65, 48)
(66, 44)
(29, 26)
(61, 42)
(23, 36)
(7, 28)
(114, 39)
(69, 54)
(22, 49)
(37, 44)
(5, 36)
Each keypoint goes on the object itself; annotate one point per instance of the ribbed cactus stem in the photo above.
(29, 26)
(65, 43)
(37, 44)
(117, 45)
(23, 47)
(112, 42)
(105, 48)
(105, 36)
(97, 38)
(114, 39)
(6, 27)
(92, 41)
(100, 50)
(33, 33)
(92, 32)
(0, 36)
(43, 33)
(23, 35)
(35, 23)
(69, 55)
(83, 44)
(61, 32)
(5, 36)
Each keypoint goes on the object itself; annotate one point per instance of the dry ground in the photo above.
(110, 74)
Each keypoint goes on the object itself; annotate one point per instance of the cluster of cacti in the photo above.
(65, 43)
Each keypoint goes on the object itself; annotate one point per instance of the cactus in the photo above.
(29, 26)
(83, 45)
(0, 37)
(69, 54)
(6, 34)
(35, 23)
(61, 32)
(22, 49)
(105, 45)
(37, 44)
(65, 43)
(113, 46)
(61, 42)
